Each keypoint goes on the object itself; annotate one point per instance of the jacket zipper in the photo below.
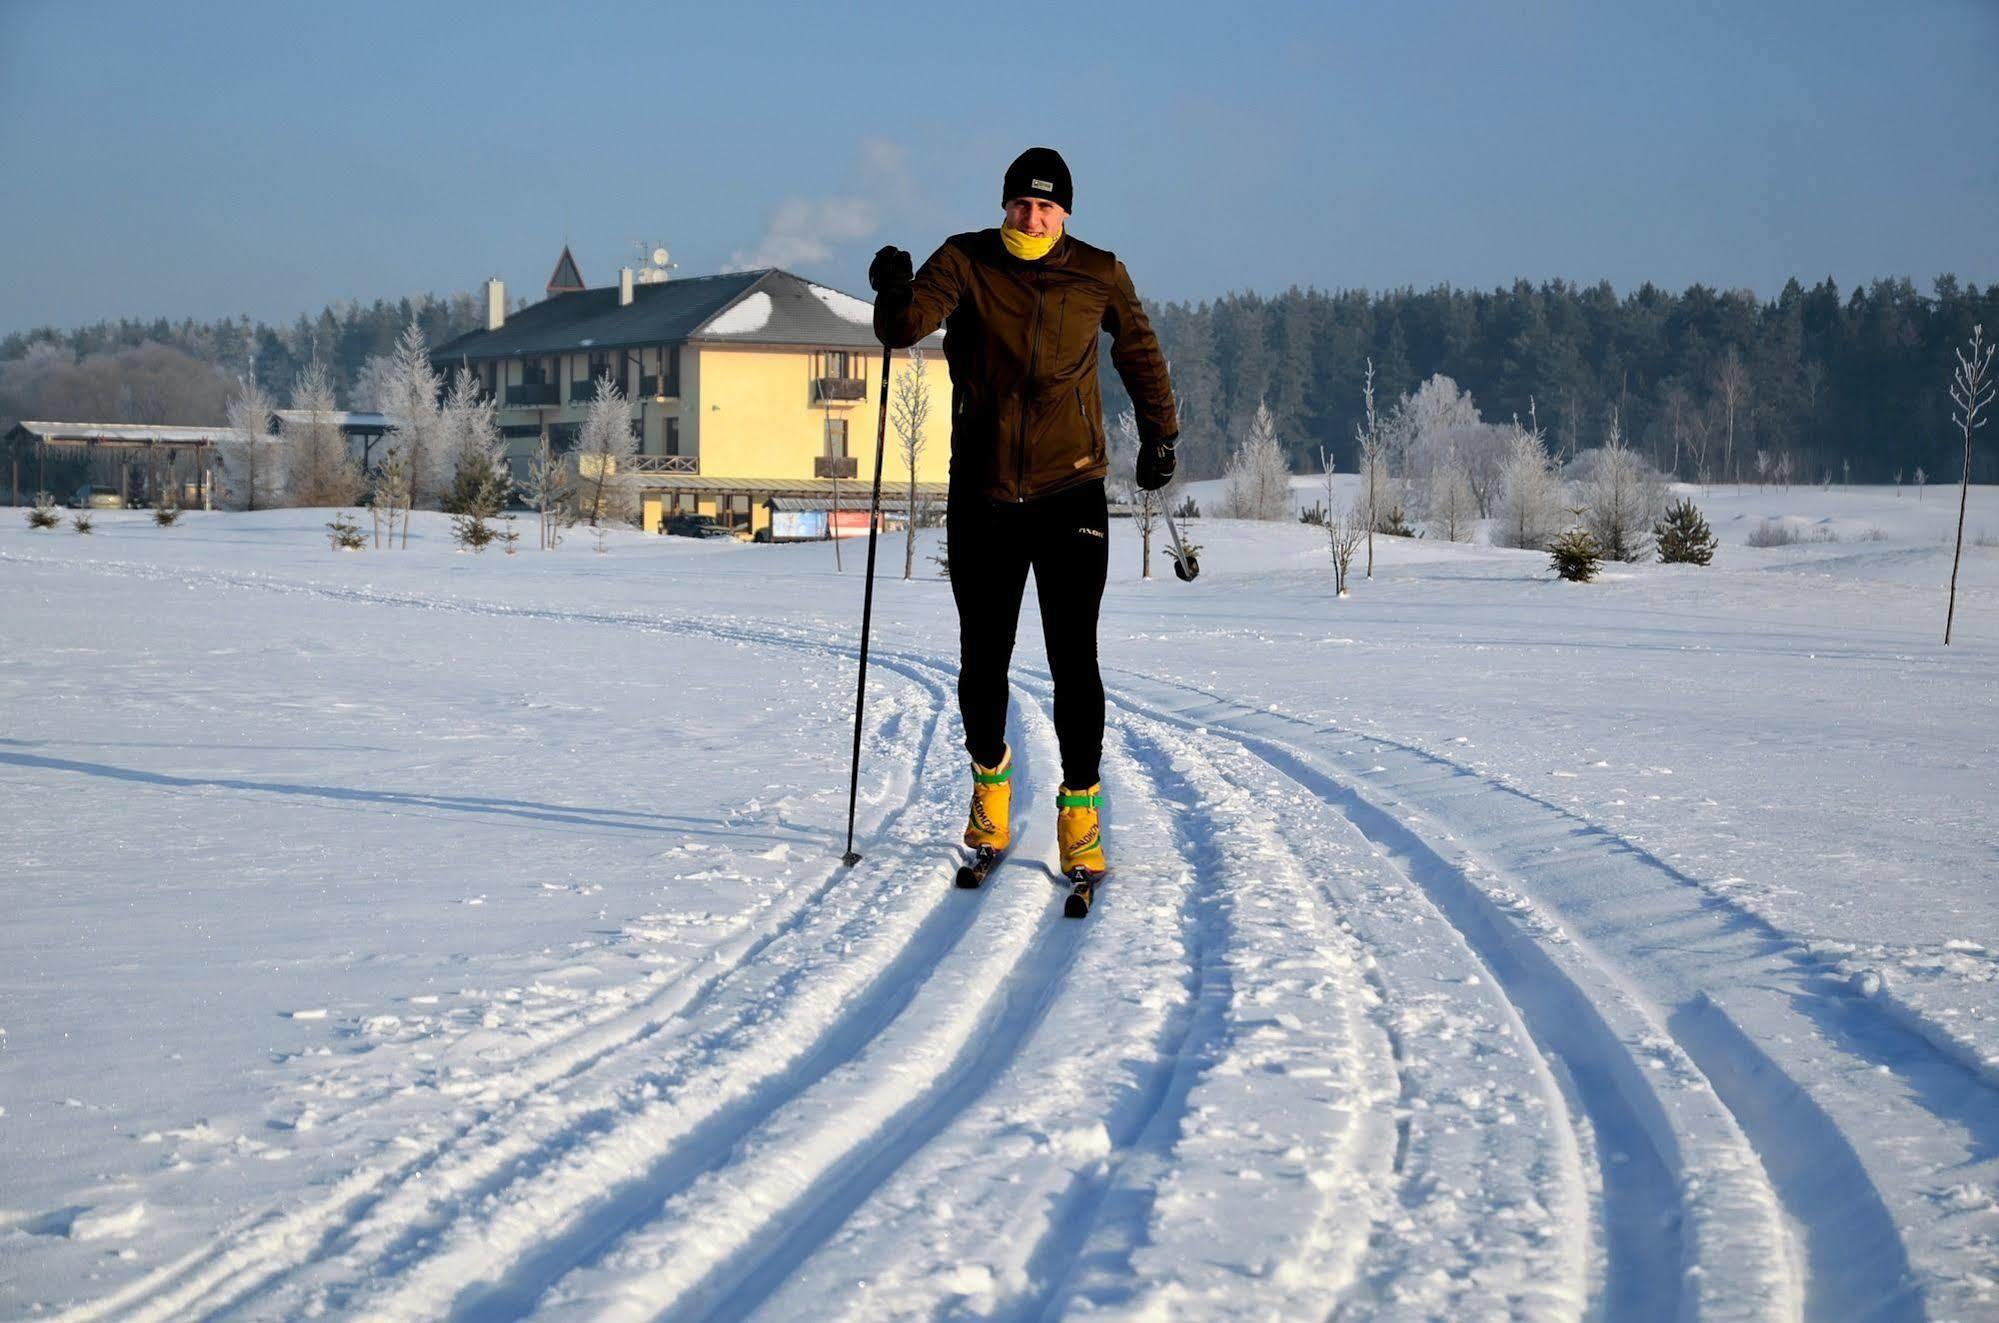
(1033, 352)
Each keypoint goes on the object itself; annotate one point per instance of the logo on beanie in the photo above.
(1041, 183)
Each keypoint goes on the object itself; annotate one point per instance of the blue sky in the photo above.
(221, 158)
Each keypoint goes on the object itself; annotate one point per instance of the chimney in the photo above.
(496, 304)
(624, 287)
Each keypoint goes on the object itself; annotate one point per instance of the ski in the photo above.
(1083, 886)
(973, 875)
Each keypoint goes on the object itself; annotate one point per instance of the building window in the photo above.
(600, 367)
(836, 364)
(836, 437)
(673, 436)
(562, 437)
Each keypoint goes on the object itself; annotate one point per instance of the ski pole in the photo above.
(1184, 565)
(852, 856)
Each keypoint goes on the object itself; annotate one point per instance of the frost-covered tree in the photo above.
(319, 470)
(389, 496)
(1621, 496)
(1371, 444)
(1532, 506)
(909, 414)
(1423, 425)
(412, 390)
(1970, 394)
(469, 437)
(604, 455)
(252, 465)
(548, 490)
(1147, 507)
(1259, 480)
(1453, 510)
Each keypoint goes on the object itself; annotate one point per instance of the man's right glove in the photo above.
(1156, 463)
(892, 267)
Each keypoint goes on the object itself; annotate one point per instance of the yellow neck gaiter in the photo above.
(1027, 247)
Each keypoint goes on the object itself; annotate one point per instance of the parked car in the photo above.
(89, 497)
(695, 525)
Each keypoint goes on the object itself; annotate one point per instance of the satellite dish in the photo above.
(659, 257)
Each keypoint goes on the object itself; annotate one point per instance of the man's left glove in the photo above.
(1156, 463)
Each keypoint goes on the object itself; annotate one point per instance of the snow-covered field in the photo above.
(417, 935)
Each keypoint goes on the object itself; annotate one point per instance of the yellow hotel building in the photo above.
(742, 387)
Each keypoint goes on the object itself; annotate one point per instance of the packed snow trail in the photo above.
(1379, 1035)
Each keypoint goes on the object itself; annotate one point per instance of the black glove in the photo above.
(891, 267)
(1156, 463)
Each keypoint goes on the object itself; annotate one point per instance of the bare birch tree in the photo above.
(1346, 525)
(1731, 391)
(1532, 506)
(909, 414)
(1970, 392)
(1147, 507)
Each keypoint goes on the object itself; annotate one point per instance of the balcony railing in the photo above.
(582, 392)
(838, 388)
(525, 396)
(665, 464)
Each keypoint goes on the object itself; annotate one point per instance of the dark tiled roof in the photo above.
(800, 313)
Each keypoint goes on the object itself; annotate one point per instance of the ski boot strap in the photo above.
(998, 778)
(1067, 798)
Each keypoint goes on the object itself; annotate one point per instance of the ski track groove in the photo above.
(718, 1247)
(1777, 1127)
(244, 1261)
(1849, 1257)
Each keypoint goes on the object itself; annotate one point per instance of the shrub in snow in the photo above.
(344, 533)
(43, 514)
(1187, 509)
(1683, 536)
(166, 507)
(510, 537)
(1577, 555)
(1394, 522)
(81, 523)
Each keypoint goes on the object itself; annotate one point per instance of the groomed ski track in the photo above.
(1504, 1063)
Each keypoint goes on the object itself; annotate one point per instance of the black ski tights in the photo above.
(1065, 539)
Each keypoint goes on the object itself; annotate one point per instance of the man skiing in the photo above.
(1022, 307)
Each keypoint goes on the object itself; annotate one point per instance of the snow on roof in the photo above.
(358, 420)
(174, 435)
(746, 318)
(845, 306)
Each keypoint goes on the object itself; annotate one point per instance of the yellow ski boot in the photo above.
(988, 830)
(1079, 834)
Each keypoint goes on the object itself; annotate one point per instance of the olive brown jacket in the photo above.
(1021, 341)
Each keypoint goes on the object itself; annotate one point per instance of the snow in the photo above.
(418, 934)
(746, 317)
(845, 306)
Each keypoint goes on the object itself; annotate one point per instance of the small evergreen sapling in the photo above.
(344, 534)
(1683, 536)
(81, 523)
(43, 513)
(1576, 555)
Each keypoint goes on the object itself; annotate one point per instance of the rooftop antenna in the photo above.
(656, 266)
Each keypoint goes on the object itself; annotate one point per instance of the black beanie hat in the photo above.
(1040, 172)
